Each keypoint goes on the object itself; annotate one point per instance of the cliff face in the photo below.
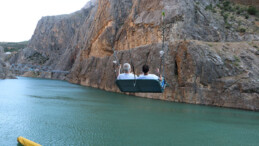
(221, 74)
(200, 72)
(5, 73)
(52, 36)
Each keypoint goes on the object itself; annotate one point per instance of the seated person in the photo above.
(146, 75)
(126, 75)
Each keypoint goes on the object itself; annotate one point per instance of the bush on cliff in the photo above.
(252, 10)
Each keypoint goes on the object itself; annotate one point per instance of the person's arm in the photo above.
(160, 76)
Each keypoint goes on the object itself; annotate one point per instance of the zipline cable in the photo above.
(133, 68)
(162, 52)
(163, 47)
(115, 62)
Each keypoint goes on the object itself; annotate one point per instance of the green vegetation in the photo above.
(243, 30)
(234, 15)
(246, 16)
(252, 10)
(227, 6)
(237, 7)
(209, 7)
(225, 16)
(227, 25)
(237, 60)
(13, 46)
(38, 57)
(211, 45)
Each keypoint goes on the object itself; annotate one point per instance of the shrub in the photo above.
(231, 9)
(236, 58)
(252, 10)
(211, 45)
(209, 7)
(237, 8)
(226, 3)
(243, 9)
(222, 13)
(228, 26)
(225, 16)
(246, 16)
(242, 30)
(239, 12)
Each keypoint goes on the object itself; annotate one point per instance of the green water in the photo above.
(58, 113)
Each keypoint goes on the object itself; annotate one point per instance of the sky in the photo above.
(18, 18)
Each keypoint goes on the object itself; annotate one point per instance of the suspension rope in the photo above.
(163, 47)
(115, 62)
(162, 52)
(133, 68)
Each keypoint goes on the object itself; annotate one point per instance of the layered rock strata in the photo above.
(221, 74)
(224, 73)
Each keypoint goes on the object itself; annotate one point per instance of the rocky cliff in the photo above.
(5, 72)
(211, 53)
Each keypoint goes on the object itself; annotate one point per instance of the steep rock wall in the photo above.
(197, 72)
(222, 74)
(5, 73)
(51, 38)
(96, 29)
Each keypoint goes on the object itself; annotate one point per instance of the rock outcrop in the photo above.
(211, 59)
(5, 73)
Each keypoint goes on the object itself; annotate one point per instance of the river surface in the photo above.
(58, 113)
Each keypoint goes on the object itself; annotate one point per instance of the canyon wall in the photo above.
(208, 59)
(221, 74)
(5, 73)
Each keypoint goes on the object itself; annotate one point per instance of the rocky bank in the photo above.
(209, 60)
